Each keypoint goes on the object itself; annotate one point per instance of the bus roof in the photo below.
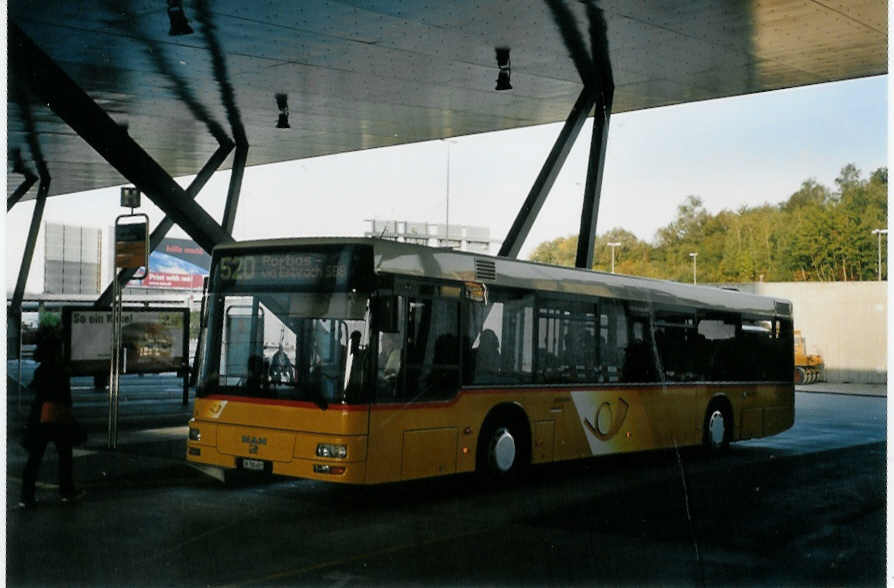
(421, 261)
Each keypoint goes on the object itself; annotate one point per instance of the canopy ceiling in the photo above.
(361, 74)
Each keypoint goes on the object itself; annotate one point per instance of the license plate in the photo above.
(253, 464)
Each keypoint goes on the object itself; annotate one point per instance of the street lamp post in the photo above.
(880, 232)
(447, 196)
(613, 245)
(693, 255)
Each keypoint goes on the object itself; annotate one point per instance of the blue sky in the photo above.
(731, 152)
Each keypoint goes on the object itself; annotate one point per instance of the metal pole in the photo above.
(693, 256)
(23, 188)
(19, 341)
(113, 365)
(613, 245)
(28, 255)
(593, 188)
(880, 232)
(447, 199)
(236, 173)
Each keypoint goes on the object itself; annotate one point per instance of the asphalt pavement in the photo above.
(847, 388)
(805, 507)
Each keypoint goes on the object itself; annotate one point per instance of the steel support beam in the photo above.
(23, 188)
(604, 87)
(166, 224)
(554, 161)
(566, 22)
(236, 173)
(19, 293)
(593, 189)
(64, 97)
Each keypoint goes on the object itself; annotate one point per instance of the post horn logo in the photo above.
(216, 409)
(608, 426)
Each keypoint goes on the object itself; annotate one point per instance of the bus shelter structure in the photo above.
(102, 94)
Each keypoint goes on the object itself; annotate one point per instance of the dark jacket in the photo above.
(50, 384)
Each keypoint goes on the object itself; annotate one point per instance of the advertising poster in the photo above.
(178, 264)
(153, 340)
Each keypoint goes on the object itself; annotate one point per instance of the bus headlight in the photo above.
(194, 434)
(330, 450)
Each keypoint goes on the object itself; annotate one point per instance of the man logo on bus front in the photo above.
(611, 421)
(254, 443)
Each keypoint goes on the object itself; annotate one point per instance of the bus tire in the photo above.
(504, 447)
(718, 430)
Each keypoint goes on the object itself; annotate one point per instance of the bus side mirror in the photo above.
(385, 314)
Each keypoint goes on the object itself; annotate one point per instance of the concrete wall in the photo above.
(844, 322)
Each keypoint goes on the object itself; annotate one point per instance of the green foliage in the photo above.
(48, 319)
(816, 234)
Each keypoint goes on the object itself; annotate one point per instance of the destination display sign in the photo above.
(330, 269)
(131, 245)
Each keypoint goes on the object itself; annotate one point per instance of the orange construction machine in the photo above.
(808, 368)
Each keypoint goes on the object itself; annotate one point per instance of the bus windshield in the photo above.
(300, 334)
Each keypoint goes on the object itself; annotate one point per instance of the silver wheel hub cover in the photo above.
(716, 428)
(503, 450)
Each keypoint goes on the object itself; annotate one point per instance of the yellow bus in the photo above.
(366, 361)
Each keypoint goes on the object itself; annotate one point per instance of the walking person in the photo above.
(50, 418)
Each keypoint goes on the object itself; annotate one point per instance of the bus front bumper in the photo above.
(285, 453)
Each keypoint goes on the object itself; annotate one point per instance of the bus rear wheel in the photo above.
(718, 428)
(502, 450)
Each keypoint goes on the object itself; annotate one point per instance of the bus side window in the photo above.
(517, 343)
(498, 346)
(717, 353)
(639, 355)
(390, 358)
(678, 343)
(612, 339)
(484, 328)
(432, 350)
(566, 347)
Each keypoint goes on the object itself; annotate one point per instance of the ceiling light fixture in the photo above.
(503, 63)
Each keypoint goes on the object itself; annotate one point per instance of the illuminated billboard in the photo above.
(153, 340)
(178, 264)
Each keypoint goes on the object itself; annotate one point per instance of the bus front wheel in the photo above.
(718, 428)
(502, 449)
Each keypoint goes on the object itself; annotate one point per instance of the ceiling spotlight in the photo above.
(282, 102)
(179, 24)
(504, 64)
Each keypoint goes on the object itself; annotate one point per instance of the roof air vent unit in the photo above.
(485, 269)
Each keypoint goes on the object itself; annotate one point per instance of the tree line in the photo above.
(817, 234)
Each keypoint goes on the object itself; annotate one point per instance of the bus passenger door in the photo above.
(411, 433)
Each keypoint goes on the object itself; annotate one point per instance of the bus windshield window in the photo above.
(287, 346)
